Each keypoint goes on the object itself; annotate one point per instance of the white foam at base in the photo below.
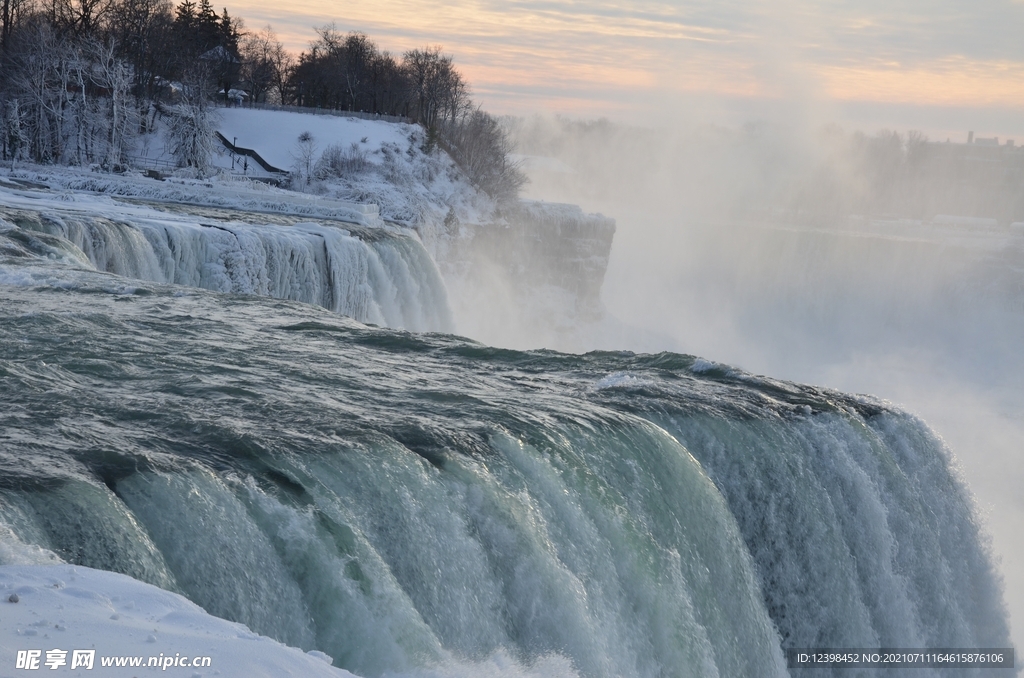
(14, 551)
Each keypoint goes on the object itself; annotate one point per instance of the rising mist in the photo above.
(879, 263)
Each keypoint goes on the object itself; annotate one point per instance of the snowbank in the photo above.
(385, 166)
(274, 134)
(69, 183)
(392, 167)
(68, 608)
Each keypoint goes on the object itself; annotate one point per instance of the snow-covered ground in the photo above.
(274, 134)
(388, 165)
(94, 620)
(66, 184)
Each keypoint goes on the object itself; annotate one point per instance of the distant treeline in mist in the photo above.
(889, 174)
(769, 171)
(81, 79)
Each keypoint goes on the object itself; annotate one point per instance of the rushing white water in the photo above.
(421, 504)
(371, 274)
(424, 505)
(926, 315)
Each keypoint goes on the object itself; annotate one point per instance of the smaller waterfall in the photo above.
(373, 275)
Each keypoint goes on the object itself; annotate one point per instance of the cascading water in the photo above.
(374, 275)
(424, 504)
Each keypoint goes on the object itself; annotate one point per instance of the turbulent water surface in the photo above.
(421, 503)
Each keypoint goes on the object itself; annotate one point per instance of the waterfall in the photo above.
(419, 503)
(374, 275)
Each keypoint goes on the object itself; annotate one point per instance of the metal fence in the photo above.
(140, 162)
(363, 115)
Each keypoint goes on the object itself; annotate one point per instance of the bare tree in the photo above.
(263, 57)
(437, 91)
(482, 148)
(11, 11)
(348, 58)
(336, 72)
(388, 85)
(141, 30)
(76, 17)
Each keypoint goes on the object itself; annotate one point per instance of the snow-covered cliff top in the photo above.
(64, 608)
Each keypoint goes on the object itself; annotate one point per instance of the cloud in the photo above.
(597, 56)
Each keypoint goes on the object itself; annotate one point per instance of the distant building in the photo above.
(987, 141)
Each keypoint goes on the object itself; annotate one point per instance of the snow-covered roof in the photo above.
(218, 53)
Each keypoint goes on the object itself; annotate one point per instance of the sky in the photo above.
(941, 66)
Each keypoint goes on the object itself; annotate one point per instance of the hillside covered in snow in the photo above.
(390, 165)
(510, 268)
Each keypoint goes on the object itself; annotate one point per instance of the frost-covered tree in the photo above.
(340, 162)
(41, 71)
(66, 99)
(13, 139)
(190, 128)
(115, 79)
(305, 158)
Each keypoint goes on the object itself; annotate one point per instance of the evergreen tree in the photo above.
(184, 31)
(229, 33)
(207, 27)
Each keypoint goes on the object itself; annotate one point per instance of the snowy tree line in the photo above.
(349, 72)
(80, 80)
(47, 112)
